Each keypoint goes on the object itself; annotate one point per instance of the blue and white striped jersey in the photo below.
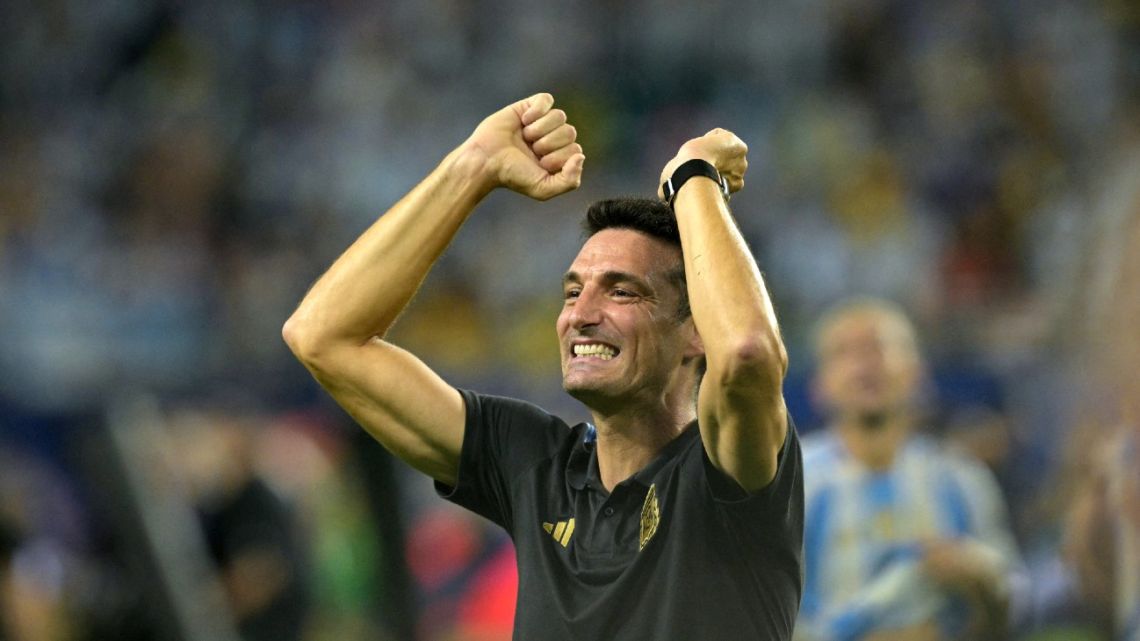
(864, 533)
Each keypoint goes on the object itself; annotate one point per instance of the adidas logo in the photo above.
(561, 531)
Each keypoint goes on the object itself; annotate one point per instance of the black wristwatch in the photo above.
(685, 171)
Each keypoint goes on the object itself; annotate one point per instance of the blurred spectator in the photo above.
(308, 462)
(902, 539)
(8, 543)
(1103, 536)
(250, 532)
(37, 555)
(1102, 530)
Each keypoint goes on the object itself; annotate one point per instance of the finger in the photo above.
(536, 107)
(547, 123)
(568, 179)
(556, 139)
(554, 161)
(720, 135)
(734, 174)
(725, 134)
(727, 140)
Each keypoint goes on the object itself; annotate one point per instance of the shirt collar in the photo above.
(582, 465)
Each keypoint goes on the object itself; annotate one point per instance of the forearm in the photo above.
(527, 147)
(730, 304)
(978, 571)
(366, 289)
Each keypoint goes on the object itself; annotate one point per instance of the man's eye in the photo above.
(623, 293)
(571, 293)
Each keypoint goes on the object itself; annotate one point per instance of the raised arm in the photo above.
(338, 329)
(740, 405)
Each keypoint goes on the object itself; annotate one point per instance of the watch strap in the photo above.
(687, 170)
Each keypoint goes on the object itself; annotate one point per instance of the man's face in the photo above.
(867, 370)
(619, 332)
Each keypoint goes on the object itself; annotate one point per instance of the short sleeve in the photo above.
(502, 438)
(785, 485)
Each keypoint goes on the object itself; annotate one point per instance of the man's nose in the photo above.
(587, 309)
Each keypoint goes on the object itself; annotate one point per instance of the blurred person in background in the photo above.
(31, 606)
(314, 465)
(903, 539)
(1102, 529)
(8, 543)
(1102, 535)
(676, 514)
(250, 532)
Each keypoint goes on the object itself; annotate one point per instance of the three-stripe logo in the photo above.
(561, 531)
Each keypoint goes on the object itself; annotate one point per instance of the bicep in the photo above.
(743, 429)
(401, 402)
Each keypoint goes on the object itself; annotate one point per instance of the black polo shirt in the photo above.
(677, 551)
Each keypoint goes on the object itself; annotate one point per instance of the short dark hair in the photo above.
(648, 216)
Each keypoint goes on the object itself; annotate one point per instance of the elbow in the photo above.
(758, 358)
(302, 340)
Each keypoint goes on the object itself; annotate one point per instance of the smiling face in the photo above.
(621, 335)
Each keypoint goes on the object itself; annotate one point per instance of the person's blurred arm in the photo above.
(979, 574)
(982, 565)
(743, 419)
(921, 632)
(899, 602)
(1089, 544)
(338, 330)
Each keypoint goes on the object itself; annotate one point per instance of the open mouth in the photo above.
(595, 350)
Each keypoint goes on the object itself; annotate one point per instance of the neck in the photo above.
(874, 441)
(630, 440)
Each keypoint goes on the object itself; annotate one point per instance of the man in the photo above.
(250, 532)
(902, 539)
(675, 514)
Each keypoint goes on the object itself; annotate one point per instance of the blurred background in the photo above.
(174, 175)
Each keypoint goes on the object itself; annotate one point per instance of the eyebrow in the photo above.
(609, 278)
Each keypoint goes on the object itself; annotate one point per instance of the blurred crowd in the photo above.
(173, 176)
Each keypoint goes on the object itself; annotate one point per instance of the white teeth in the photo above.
(598, 350)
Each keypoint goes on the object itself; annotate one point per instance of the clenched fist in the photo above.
(719, 147)
(530, 148)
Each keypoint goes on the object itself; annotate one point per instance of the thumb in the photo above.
(535, 107)
(567, 179)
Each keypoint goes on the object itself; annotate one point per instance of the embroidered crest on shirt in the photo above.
(650, 516)
(561, 531)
